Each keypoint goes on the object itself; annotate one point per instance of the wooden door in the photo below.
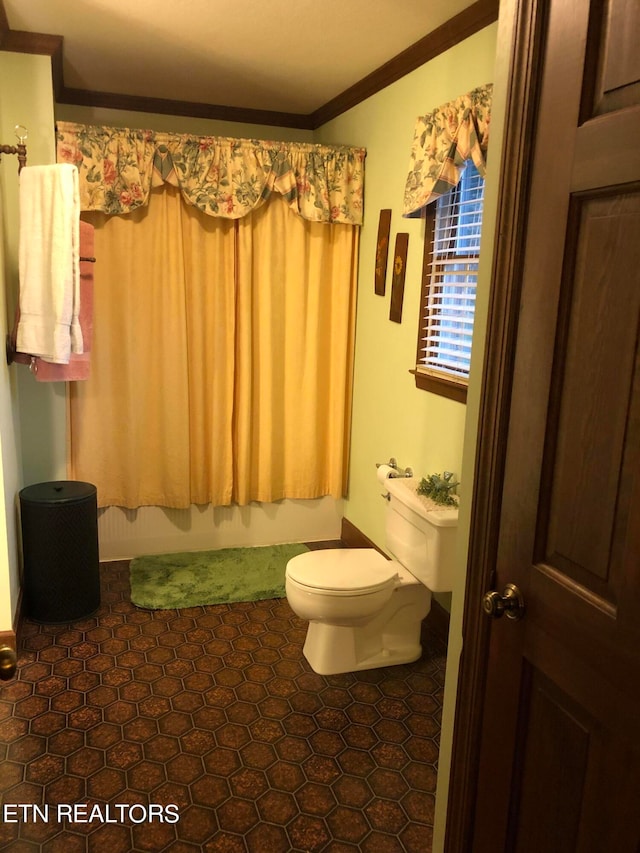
(557, 699)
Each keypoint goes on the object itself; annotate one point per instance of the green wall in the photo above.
(391, 417)
(178, 124)
(32, 417)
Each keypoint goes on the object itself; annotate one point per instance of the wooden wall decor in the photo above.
(397, 282)
(382, 251)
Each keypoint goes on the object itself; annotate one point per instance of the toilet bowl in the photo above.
(348, 586)
(364, 610)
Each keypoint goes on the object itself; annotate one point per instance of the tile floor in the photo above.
(216, 711)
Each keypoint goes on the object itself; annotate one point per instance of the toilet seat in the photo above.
(342, 571)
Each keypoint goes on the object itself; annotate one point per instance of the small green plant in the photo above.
(439, 488)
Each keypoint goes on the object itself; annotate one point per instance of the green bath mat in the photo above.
(190, 579)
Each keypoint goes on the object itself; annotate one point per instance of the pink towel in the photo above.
(79, 364)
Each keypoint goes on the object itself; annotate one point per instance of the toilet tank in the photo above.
(421, 534)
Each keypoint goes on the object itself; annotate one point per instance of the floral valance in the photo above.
(443, 140)
(219, 175)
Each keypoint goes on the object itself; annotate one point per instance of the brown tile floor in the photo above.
(213, 709)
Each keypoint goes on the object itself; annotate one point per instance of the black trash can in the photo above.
(60, 547)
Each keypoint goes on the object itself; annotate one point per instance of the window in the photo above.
(449, 279)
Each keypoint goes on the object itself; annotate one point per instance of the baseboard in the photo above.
(354, 538)
(8, 638)
(11, 638)
(437, 620)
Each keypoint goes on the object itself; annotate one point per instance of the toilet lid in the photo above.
(343, 570)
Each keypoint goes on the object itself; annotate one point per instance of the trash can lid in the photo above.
(58, 491)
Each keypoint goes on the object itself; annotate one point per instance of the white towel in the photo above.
(49, 263)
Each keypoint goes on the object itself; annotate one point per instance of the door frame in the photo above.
(521, 36)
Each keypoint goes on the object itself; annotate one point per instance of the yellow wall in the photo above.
(391, 417)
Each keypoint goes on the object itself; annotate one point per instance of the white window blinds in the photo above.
(449, 303)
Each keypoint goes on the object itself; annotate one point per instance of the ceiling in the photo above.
(291, 56)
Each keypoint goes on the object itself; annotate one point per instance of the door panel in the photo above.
(559, 759)
(555, 751)
(583, 474)
(613, 60)
(560, 802)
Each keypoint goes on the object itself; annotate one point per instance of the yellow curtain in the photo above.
(222, 355)
(295, 318)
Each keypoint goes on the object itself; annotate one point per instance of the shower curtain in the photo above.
(222, 357)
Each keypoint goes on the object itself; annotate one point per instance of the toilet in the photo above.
(365, 611)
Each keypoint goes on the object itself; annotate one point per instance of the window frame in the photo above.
(430, 378)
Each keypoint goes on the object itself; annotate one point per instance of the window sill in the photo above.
(441, 385)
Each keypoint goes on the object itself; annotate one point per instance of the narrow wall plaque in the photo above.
(397, 281)
(382, 251)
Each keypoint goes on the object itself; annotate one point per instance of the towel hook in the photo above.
(20, 149)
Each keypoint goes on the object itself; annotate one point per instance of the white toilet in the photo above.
(365, 611)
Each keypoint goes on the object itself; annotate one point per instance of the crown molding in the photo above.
(193, 109)
(471, 20)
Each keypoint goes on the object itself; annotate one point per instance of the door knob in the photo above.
(7, 663)
(510, 602)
